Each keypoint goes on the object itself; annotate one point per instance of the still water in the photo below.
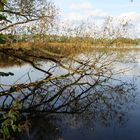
(118, 120)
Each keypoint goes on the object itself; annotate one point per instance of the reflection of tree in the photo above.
(84, 81)
(7, 61)
(43, 128)
(85, 86)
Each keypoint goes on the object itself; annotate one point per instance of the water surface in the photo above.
(117, 121)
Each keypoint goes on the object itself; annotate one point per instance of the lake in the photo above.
(91, 96)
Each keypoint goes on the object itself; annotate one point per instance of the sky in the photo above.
(80, 10)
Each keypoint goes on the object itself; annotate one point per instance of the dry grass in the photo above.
(57, 49)
(54, 48)
(120, 49)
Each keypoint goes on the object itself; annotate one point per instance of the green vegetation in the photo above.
(119, 42)
(8, 125)
(2, 39)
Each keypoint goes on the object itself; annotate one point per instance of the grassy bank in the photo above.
(51, 48)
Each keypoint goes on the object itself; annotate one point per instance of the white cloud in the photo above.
(74, 16)
(130, 16)
(97, 14)
(81, 6)
(93, 14)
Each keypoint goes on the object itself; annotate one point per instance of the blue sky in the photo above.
(114, 7)
(77, 10)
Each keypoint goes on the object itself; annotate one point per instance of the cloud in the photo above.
(98, 14)
(130, 16)
(81, 6)
(74, 16)
(93, 14)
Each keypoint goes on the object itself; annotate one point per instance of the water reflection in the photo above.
(85, 89)
(7, 61)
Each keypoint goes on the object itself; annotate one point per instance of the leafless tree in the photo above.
(26, 12)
